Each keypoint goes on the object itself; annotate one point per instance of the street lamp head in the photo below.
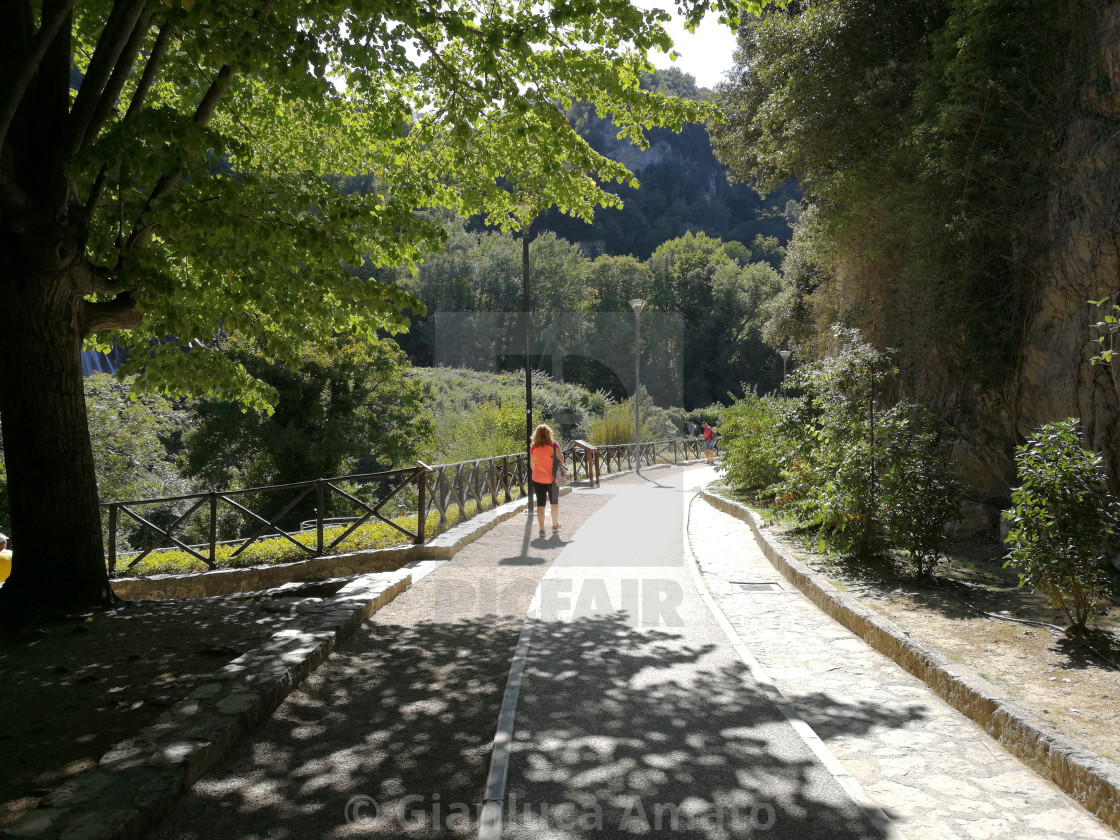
(637, 304)
(784, 354)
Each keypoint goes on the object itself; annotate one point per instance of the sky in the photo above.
(706, 54)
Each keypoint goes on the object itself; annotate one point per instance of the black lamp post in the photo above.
(637, 304)
(527, 305)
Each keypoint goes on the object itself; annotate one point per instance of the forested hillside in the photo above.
(701, 250)
(960, 163)
(683, 187)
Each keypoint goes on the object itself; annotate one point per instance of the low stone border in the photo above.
(1092, 780)
(138, 780)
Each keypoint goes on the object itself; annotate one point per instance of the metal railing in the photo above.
(623, 457)
(210, 506)
(439, 490)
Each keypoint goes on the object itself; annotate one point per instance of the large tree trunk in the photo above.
(58, 559)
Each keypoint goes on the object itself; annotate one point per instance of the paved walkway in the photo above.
(935, 772)
(636, 714)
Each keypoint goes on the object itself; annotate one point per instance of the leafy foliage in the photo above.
(719, 289)
(136, 440)
(867, 474)
(831, 480)
(483, 431)
(478, 414)
(617, 422)
(754, 441)
(923, 140)
(353, 407)
(919, 484)
(1107, 329)
(1062, 521)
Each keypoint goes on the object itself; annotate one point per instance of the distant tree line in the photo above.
(721, 291)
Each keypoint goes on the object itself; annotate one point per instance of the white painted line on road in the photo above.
(490, 820)
(878, 817)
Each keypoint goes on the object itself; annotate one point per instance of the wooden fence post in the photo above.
(112, 538)
(319, 517)
(422, 505)
(213, 529)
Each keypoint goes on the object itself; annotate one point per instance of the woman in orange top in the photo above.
(541, 457)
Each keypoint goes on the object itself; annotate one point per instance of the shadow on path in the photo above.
(647, 738)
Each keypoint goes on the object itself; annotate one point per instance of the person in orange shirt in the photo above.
(542, 457)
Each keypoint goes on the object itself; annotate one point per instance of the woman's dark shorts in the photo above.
(549, 491)
(710, 443)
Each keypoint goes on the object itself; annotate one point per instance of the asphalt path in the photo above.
(635, 716)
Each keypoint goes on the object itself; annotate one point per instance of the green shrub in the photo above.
(483, 430)
(613, 428)
(830, 479)
(755, 442)
(1062, 520)
(869, 476)
(617, 423)
(453, 392)
(712, 415)
(919, 487)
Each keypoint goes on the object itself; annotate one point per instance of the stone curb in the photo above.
(1092, 780)
(139, 779)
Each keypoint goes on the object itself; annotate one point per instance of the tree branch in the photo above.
(96, 280)
(121, 71)
(120, 313)
(202, 115)
(148, 78)
(96, 190)
(13, 97)
(110, 48)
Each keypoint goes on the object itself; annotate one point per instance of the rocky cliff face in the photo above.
(1082, 262)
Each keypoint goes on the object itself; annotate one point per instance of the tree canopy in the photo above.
(164, 175)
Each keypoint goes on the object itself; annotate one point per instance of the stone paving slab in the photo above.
(936, 773)
(140, 778)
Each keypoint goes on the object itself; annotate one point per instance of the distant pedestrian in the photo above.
(709, 443)
(543, 456)
(691, 429)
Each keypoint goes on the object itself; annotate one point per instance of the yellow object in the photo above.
(5, 564)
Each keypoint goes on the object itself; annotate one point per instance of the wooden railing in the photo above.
(490, 479)
(439, 489)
